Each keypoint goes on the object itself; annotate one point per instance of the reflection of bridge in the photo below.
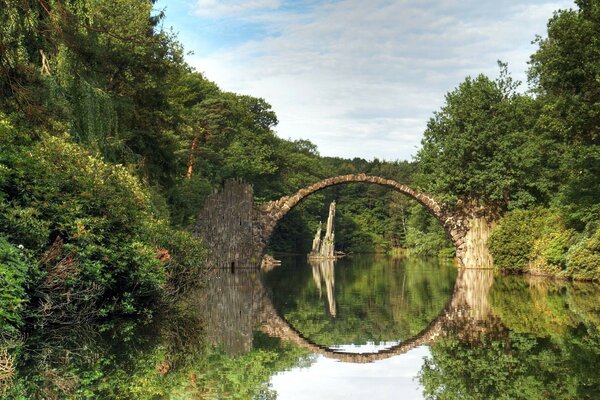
(238, 304)
(236, 231)
(467, 311)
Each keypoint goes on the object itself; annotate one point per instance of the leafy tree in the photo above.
(90, 227)
(478, 148)
(564, 75)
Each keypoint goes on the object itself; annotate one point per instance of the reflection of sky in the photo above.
(369, 347)
(391, 378)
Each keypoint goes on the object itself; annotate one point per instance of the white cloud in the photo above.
(229, 8)
(362, 78)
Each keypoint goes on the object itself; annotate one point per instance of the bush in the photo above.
(13, 272)
(511, 241)
(89, 223)
(583, 259)
(532, 239)
(183, 255)
(540, 240)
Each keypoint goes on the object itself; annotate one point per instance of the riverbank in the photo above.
(540, 241)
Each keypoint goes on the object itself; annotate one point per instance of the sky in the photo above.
(357, 78)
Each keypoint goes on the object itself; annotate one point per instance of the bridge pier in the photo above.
(473, 252)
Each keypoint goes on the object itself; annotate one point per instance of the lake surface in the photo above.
(363, 327)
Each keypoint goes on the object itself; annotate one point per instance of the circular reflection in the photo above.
(362, 305)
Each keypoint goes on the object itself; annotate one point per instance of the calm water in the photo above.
(362, 327)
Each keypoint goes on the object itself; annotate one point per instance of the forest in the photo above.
(110, 142)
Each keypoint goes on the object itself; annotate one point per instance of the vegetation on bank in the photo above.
(540, 241)
(564, 75)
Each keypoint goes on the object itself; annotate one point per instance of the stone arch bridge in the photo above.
(236, 231)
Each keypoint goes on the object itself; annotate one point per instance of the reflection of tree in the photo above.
(383, 299)
(323, 270)
(466, 315)
(548, 346)
(170, 357)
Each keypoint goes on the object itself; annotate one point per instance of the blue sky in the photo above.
(358, 78)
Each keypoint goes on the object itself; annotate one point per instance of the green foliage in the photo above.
(539, 240)
(182, 255)
(165, 359)
(537, 306)
(583, 259)
(564, 73)
(520, 367)
(14, 268)
(547, 346)
(186, 198)
(512, 240)
(244, 376)
(565, 68)
(93, 214)
(378, 298)
(477, 147)
(425, 236)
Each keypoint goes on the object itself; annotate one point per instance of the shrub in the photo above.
(552, 241)
(13, 272)
(182, 254)
(539, 239)
(87, 221)
(511, 241)
(583, 259)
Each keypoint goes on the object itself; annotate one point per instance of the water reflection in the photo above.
(323, 270)
(545, 345)
(467, 311)
(464, 335)
(230, 305)
(377, 300)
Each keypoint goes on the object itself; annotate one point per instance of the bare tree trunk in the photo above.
(190, 166)
(316, 244)
(45, 69)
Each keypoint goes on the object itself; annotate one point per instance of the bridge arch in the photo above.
(271, 213)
